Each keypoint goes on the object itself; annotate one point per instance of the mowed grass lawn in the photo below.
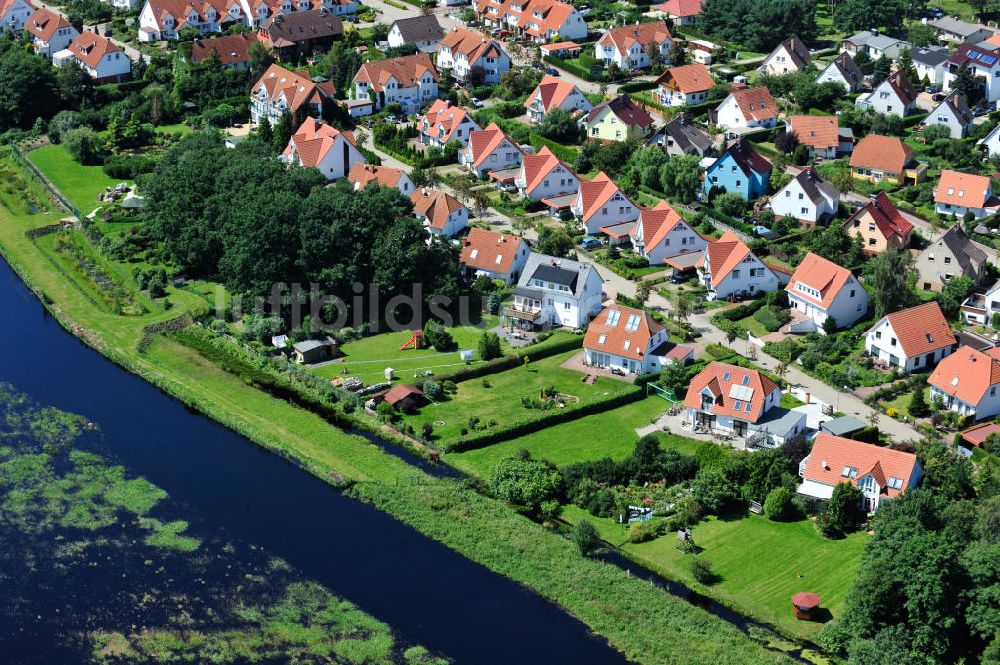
(368, 357)
(501, 401)
(761, 563)
(608, 434)
(80, 184)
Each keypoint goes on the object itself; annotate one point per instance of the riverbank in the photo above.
(643, 622)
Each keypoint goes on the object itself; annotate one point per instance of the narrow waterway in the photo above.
(233, 489)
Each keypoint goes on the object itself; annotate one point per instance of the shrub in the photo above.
(918, 404)
(489, 346)
(433, 390)
(778, 505)
(585, 537)
(641, 532)
(83, 144)
(701, 570)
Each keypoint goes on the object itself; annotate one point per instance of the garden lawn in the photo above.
(902, 403)
(502, 400)
(608, 434)
(368, 357)
(755, 327)
(80, 184)
(763, 563)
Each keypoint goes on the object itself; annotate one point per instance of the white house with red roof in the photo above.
(913, 339)
(630, 46)
(684, 85)
(681, 12)
(98, 56)
(497, 255)
(361, 174)
(664, 237)
(958, 193)
(441, 213)
(632, 341)
(490, 150)
(968, 382)
(463, 49)
(979, 308)
(600, 203)
(820, 290)
(50, 31)
(540, 21)
(893, 96)
(554, 93)
(730, 269)
(14, 14)
(410, 81)
(318, 145)
(543, 176)
(443, 123)
(279, 90)
(880, 473)
(163, 19)
(747, 108)
(743, 402)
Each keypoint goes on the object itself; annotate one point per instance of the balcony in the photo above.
(515, 311)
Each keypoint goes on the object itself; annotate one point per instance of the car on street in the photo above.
(590, 242)
(552, 71)
(475, 101)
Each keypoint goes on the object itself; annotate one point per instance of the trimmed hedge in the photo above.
(523, 427)
(537, 351)
(637, 86)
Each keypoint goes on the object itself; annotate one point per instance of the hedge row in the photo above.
(637, 86)
(898, 388)
(516, 359)
(741, 311)
(523, 427)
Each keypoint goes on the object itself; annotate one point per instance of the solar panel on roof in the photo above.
(744, 393)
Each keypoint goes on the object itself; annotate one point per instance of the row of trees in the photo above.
(759, 25)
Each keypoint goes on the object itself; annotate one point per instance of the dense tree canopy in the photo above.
(27, 86)
(243, 216)
(855, 15)
(759, 25)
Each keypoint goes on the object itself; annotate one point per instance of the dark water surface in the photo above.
(232, 490)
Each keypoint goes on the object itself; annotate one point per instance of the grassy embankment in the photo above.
(645, 623)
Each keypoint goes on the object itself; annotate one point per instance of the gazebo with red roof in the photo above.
(805, 604)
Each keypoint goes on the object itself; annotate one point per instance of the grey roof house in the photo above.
(312, 351)
(874, 44)
(952, 113)
(956, 30)
(682, 137)
(423, 31)
(929, 62)
(950, 255)
(555, 292)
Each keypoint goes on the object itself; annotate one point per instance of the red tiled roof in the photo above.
(490, 250)
(821, 274)
(920, 329)
(888, 220)
(435, 206)
(657, 223)
(831, 454)
(687, 78)
(725, 254)
(732, 388)
(232, 49)
(553, 12)
(537, 167)
(623, 37)
(401, 391)
(473, 45)
(882, 153)
(407, 70)
(552, 91)
(362, 174)
(977, 435)
(442, 119)
(681, 8)
(298, 88)
(89, 48)
(44, 22)
(756, 103)
(484, 141)
(615, 331)
(821, 132)
(595, 193)
(313, 140)
(962, 189)
(966, 374)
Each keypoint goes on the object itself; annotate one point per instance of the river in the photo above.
(233, 490)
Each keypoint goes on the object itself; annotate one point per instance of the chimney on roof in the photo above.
(825, 465)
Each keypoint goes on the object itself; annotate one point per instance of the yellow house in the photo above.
(885, 159)
(618, 120)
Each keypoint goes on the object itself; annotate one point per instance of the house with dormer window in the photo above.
(14, 14)
(960, 193)
(968, 382)
(600, 203)
(497, 255)
(50, 32)
(913, 339)
(742, 402)
(279, 91)
(630, 46)
(554, 292)
(490, 150)
(443, 123)
(98, 56)
(880, 473)
(544, 176)
(461, 50)
(664, 237)
(730, 269)
(410, 81)
(984, 64)
(538, 21)
(631, 340)
(820, 290)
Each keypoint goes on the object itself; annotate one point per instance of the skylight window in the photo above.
(475, 252)
(613, 317)
(499, 259)
(633, 323)
(746, 380)
(725, 377)
(601, 339)
(849, 472)
(930, 337)
(954, 382)
(895, 483)
(628, 344)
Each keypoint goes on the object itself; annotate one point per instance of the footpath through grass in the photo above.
(642, 621)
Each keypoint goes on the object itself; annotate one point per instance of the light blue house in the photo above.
(740, 169)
